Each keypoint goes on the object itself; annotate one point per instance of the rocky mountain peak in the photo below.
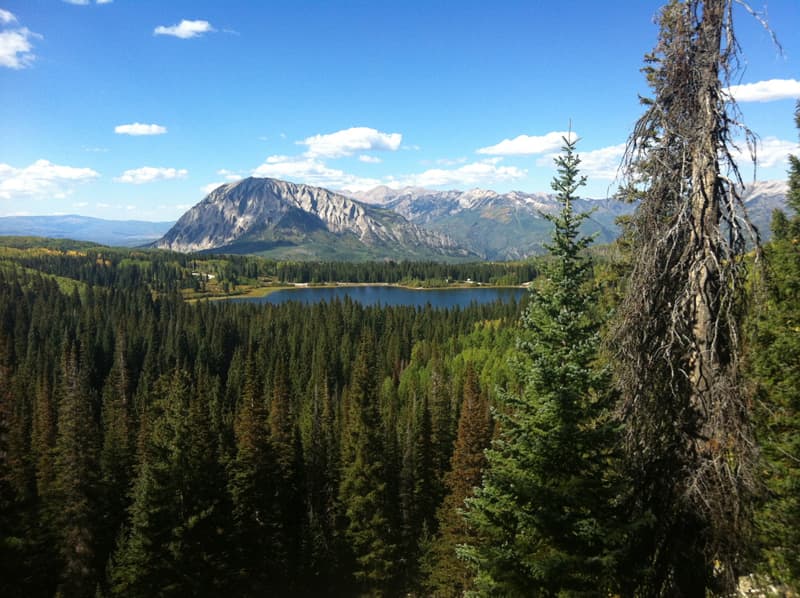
(264, 210)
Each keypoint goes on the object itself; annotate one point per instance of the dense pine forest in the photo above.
(152, 445)
(629, 429)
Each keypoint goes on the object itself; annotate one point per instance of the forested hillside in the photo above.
(153, 445)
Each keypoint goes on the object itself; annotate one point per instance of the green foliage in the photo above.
(446, 575)
(73, 496)
(543, 517)
(775, 355)
(362, 494)
(174, 546)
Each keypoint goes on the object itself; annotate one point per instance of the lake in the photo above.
(391, 296)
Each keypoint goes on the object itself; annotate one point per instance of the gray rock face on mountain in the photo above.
(262, 214)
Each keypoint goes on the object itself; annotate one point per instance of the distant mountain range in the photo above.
(496, 226)
(126, 233)
(510, 225)
(288, 221)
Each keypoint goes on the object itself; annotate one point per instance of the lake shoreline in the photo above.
(259, 292)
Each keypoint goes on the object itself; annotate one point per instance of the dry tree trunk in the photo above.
(685, 411)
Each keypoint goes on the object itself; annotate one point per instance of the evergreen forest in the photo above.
(630, 428)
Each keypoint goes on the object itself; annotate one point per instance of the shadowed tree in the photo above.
(447, 575)
(362, 492)
(75, 489)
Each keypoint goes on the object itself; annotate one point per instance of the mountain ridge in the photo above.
(503, 226)
(272, 215)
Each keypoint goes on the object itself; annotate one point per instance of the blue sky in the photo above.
(129, 109)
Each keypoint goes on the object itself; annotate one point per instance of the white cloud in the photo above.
(7, 17)
(149, 174)
(137, 129)
(303, 169)
(770, 152)
(766, 91)
(602, 163)
(185, 29)
(16, 45)
(206, 189)
(349, 141)
(484, 172)
(369, 159)
(526, 145)
(42, 179)
(229, 175)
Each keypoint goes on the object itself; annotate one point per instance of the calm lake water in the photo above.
(383, 295)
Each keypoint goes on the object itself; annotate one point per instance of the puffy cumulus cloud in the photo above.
(311, 171)
(601, 163)
(138, 129)
(369, 159)
(185, 29)
(16, 43)
(7, 17)
(766, 91)
(770, 152)
(150, 174)
(350, 141)
(42, 179)
(526, 145)
(229, 175)
(484, 172)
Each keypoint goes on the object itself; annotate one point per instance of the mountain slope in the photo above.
(281, 219)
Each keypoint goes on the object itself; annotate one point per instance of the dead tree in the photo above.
(684, 406)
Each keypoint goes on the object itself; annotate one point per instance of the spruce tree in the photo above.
(252, 488)
(447, 576)
(74, 494)
(174, 544)
(362, 492)
(775, 355)
(542, 517)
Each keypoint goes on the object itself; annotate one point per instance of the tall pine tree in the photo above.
(447, 576)
(543, 516)
(775, 356)
(74, 493)
(362, 492)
